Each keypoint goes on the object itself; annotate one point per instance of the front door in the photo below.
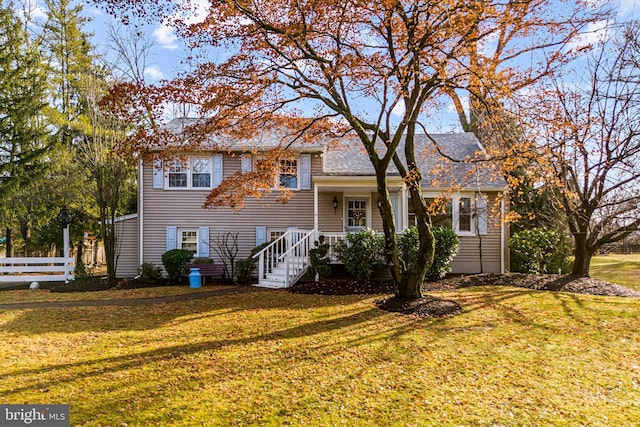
(357, 214)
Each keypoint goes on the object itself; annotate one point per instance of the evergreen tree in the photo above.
(70, 57)
(23, 142)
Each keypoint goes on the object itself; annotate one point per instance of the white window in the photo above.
(275, 233)
(293, 173)
(288, 174)
(201, 172)
(188, 239)
(441, 211)
(178, 176)
(456, 212)
(465, 215)
(194, 239)
(193, 173)
(356, 213)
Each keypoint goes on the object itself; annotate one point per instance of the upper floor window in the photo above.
(178, 174)
(288, 174)
(201, 172)
(189, 173)
(441, 211)
(293, 173)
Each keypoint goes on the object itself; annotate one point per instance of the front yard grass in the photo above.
(621, 269)
(514, 357)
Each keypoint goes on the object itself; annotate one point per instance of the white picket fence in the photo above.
(21, 270)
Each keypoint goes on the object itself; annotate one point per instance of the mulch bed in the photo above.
(431, 306)
(428, 306)
(541, 282)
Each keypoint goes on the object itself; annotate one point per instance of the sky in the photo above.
(168, 54)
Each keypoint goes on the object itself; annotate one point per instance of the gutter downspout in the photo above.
(503, 225)
(140, 212)
(405, 208)
(315, 208)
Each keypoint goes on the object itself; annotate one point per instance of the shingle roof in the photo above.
(262, 139)
(348, 158)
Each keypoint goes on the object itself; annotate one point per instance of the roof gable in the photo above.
(452, 168)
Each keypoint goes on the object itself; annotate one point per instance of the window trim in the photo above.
(180, 238)
(279, 175)
(455, 211)
(367, 211)
(276, 184)
(189, 172)
(456, 215)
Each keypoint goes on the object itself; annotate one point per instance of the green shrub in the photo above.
(447, 243)
(539, 251)
(320, 261)
(149, 272)
(361, 253)
(176, 263)
(244, 267)
(446, 246)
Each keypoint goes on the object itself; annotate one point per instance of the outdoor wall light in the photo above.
(335, 205)
(64, 217)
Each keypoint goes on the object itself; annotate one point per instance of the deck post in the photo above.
(65, 246)
(315, 206)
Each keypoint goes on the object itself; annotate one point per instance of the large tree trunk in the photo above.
(408, 279)
(583, 255)
(25, 230)
(9, 244)
(109, 238)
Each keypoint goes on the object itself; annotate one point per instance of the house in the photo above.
(334, 192)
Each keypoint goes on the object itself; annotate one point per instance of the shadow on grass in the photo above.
(151, 313)
(67, 373)
(498, 297)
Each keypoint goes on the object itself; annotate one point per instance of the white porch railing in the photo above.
(20, 269)
(332, 239)
(296, 259)
(286, 259)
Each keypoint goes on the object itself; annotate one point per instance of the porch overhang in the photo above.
(354, 183)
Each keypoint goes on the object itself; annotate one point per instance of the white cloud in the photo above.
(154, 73)
(192, 12)
(596, 32)
(33, 11)
(399, 109)
(166, 37)
(199, 10)
(628, 9)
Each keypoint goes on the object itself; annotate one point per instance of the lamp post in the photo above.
(64, 219)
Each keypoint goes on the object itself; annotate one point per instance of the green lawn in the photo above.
(514, 357)
(620, 269)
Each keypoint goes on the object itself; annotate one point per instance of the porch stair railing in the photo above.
(285, 260)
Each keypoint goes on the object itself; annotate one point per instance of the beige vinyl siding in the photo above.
(127, 247)
(183, 209)
(330, 221)
(467, 259)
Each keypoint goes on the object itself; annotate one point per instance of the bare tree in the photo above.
(226, 246)
(112, 174)
(589, 134)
